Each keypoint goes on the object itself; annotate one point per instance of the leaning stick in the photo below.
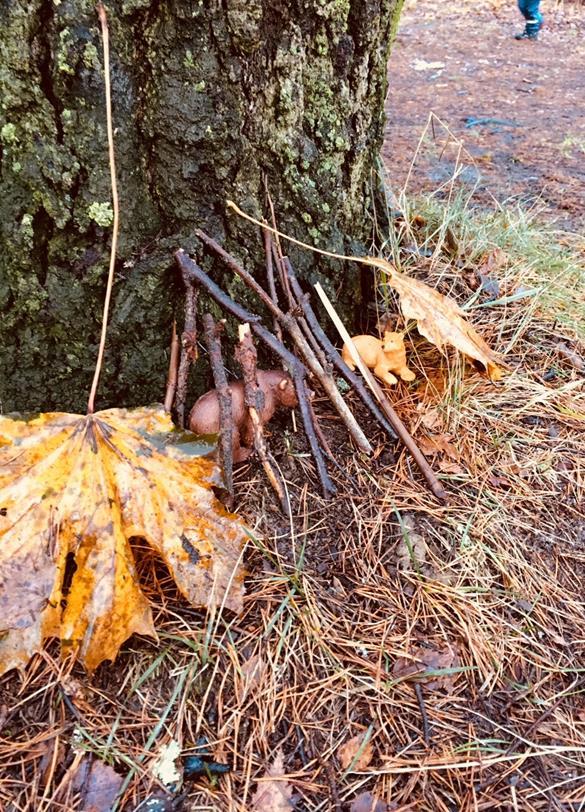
(172, 374)
(246, 357)
(397, 423)
(270, 277)
(224, 398)
(188, 347)
(296, 334)
(297, 371)
(332, 353)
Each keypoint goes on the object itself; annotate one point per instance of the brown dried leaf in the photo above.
(437, 444)
(424, 662)
(571, 355)
(356, 749)
(252, 672)
(451, 467)
(366, 802)
(98, 785)
(439, 319)
(50, 760)
(493, 261)
(273, 795)
(81, 487)
(431, 419)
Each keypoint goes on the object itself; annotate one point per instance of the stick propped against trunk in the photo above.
(224, 398)
(297, 371)
(385, 404)
(246, 357)
(288, 321)
(188, 347)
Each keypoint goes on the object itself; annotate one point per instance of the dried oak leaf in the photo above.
(79, 487)
(98, 785)
(356, 753)
(366, 802)
(436, 669)
(439, 319)
(273, 793)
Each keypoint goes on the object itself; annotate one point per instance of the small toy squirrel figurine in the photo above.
(384, 356)
(279, 391)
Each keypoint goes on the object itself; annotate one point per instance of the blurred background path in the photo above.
(518, 107)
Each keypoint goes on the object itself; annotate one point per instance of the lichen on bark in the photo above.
(210, 99)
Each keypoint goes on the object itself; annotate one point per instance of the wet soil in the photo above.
(517, 107)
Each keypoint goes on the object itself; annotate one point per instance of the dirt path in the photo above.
(518, 107)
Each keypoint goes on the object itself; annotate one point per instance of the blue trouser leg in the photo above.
(532, 15)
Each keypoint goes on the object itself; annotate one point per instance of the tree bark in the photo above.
(209, 99)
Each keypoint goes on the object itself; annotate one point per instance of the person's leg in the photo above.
(532, 12)
(522, 6)
(533, 17)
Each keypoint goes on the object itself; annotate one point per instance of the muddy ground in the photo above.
(517, 107)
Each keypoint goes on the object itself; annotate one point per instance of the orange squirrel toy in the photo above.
(384, 356)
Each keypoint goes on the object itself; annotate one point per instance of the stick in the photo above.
(270, 277)
(294, 331)
(188, 346)
(115, 205)
(396, 422)
(332, 353)
(246, 357)
(297, 371)
(224, 397)
(423, 712)
(172, 374)
(281, 274)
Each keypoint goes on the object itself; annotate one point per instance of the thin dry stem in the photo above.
(115, 205)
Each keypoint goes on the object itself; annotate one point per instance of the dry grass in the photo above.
(493, 583)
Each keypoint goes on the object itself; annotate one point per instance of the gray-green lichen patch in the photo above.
(101, 213)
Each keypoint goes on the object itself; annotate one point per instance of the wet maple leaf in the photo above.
(80, 487)
(439, 318)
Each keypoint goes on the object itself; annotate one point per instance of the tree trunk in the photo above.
(209, 98)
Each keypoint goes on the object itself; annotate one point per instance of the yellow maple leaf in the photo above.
(439, 318)
(79, 487)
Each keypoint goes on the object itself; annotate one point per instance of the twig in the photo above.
(297, 371)
(278, 258)
(276, 246)
(270, 277)
(246, 357)
(115, 205)
(224, 398)
(332, 353)
(287, 321)
(385, 404)
(188, 346)
(423, 712)
(172, 375)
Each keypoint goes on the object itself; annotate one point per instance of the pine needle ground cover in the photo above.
(430, 655)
